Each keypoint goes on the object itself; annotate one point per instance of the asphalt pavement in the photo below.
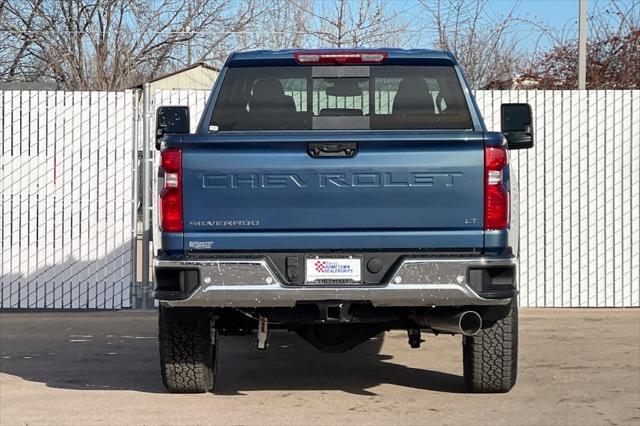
(577, 367)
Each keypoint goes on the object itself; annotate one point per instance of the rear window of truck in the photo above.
(341, 98)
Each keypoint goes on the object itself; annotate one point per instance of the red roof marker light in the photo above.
(339, 58)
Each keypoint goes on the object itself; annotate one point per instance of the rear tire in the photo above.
(490, 357)
(188, 353)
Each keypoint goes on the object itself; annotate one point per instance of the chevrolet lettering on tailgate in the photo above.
(324, 180)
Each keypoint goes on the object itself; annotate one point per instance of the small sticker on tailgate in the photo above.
(324, 270)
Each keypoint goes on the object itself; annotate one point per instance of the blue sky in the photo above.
(556, 13)
(559, 17)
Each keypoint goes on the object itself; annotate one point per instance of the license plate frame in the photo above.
(333, 270)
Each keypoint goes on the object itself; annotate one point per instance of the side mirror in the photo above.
(171, 119)
(517, 125)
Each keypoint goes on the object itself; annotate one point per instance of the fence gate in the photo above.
(66, 214)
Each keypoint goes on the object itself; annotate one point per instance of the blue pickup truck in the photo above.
(338, 194)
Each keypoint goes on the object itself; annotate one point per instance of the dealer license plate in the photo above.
(333, 270)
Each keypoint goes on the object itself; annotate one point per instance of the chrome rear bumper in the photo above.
(415, 282)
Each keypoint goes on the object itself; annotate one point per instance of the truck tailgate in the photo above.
(400, 190)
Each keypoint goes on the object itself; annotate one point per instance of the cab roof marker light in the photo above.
(373, 57)
(304, 58)
(339, 58)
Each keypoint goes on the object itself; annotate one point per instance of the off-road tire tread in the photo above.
(187, 356)
(490, 358)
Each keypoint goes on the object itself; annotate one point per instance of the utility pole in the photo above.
(189, 51)
(582, 45)
(189, 39)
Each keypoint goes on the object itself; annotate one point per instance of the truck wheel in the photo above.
(187, 350)
(491, 357)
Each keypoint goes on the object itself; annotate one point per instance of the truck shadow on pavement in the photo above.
(291, 364)
(118, 351)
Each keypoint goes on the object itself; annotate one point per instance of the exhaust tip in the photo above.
(470, 323)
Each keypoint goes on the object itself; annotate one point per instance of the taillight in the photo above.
(171, 194)
(339, 58)
(496, 197)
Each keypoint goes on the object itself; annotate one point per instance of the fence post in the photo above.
(146, 184)
(135, 172)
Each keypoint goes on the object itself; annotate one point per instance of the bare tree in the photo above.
(349, 23)
(613, 53)
(483, 42)
(111, 44)
(280, 24)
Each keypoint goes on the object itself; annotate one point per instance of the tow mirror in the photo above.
(171, 119)
(517, 125)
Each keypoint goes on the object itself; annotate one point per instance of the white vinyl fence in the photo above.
(66, 161)
(66, 176)
(196, 100)
(579, 196)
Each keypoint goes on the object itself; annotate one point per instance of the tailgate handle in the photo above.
(332, 149)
